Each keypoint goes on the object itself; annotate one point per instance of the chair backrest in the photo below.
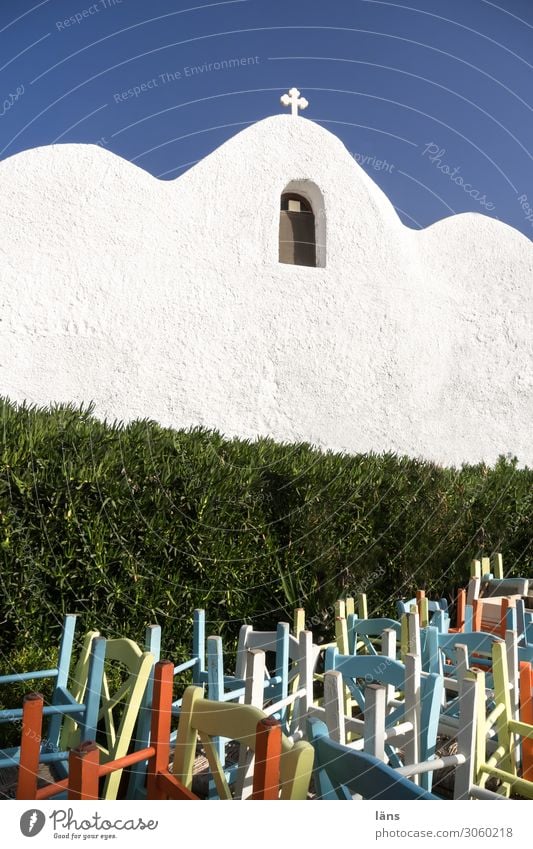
(478, 644)
(490, 614)
(284, 647)
(404, 606)
(205, 720)
(196, 662)
(507, 586)
(362, 630)
(281, 643)
(341, 772)
(376, 669)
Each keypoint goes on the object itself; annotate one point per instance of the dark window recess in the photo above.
(297, 239)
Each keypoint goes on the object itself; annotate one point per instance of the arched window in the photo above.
(297, 235)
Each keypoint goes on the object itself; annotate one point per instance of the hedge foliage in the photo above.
(139, 523)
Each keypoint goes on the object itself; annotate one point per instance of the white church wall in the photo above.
(166, 300)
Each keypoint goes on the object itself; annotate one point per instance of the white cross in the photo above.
(294, 100)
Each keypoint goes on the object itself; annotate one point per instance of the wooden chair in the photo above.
(423, 606)
(364, 636)
(490, 614)
(65, 702)
(386, 723)
(280, 687)
(451, 655)
(341, 772)
(279, 690)
(377, 632)
(118, 710)
(59, 674)
(278, 645)
(203, 720)
(440, 655)
(493, 747)
(85, 772)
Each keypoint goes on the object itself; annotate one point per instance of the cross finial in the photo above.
(294, 100)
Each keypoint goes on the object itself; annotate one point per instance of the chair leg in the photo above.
(161, 722)
(83, 767)
(526, 715)
(63, 668)
(30, 745)
(137, 777)
(267, 760)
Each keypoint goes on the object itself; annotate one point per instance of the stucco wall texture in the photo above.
(166, 300)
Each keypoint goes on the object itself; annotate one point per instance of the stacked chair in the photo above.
(365, 714)
(67, 703)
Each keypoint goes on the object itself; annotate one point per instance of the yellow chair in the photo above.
(204, 720)
(119, 709)
(492, 750)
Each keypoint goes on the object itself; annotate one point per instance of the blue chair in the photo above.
(63, 703)
(404, 606)
(439, 652)
(422, 698)
(196, 662)
(441, 656)
(340, 772)
(365, 634)
(520, 620)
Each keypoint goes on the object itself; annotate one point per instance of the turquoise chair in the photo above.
(439, 653)
(520, 621)
(196, 663)
(340, 772)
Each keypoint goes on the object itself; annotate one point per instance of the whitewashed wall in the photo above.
(143, 296)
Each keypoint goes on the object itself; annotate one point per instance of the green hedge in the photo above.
(139, 523)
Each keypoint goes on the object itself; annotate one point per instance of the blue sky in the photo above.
(434, 97)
